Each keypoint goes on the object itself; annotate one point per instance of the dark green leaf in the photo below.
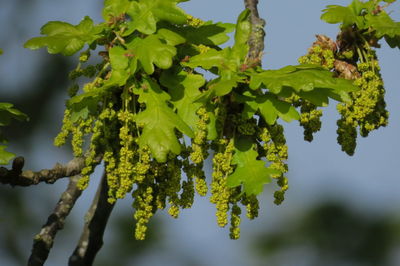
(84, 104)
(207, 34)
(170, 37)
(8, 113)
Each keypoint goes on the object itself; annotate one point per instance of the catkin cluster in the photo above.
(276, 152)
(367, 109)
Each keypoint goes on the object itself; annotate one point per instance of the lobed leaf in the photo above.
(114, 8)
(65, 38)
(145, 15)
(159, 122)
(249, 172)
(184, 89)
(303, 79)
(270, 108)
(151, 51)
(385, 26)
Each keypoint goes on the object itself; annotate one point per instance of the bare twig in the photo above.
(95, 222)
(256, 41)
(43, 241)
(17, 177)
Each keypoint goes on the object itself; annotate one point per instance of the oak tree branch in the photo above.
(256, 41)
(17, 177)
(43, 241)
(95, 222)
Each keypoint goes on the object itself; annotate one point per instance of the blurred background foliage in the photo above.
(327, 232)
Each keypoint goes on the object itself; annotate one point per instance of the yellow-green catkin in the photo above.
(199, 142)
(187, 196)
(173, 185)
(112, 176)
(252, 206)
(90, 160)
(310, 119)
(367, 109)
(276, 150)
(194, 22)
(220, 192)
(143, 205)
(66, 129)
(143, 165)
(235, 222)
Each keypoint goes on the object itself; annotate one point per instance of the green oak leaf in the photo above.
(184, 90)
(123, 66)
(243, 30)
(151, 51)
(86, 103)
(347, 16)
(249, 172)
(5, 156)
(303, 79)
(65, 38)
(159, 122)
(114, 8)
(210, 34)
(270, 107)
(145, 15)
(8, 113)
(385, 26)
(172, 38)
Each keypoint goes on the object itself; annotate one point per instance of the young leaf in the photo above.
(114, 8)
(209, 33)
(243, 28)
(270, 108)
(151, 51)
(184, 89)
(65, 38)
(334, 14)
(5, 156)
(249, 172)
(159, 122)
(122, 66)
(384, 26)
(145, 15)
(84, 104)
(303, 78)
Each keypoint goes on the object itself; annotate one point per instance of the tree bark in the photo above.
(256, 41)
(17, 177)
(43, 241)
(95, 223)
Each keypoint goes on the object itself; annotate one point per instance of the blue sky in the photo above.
(368, 181)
